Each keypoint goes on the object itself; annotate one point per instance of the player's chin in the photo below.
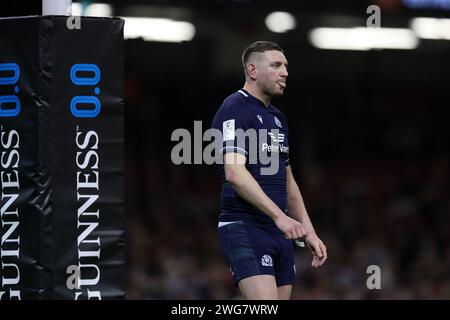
(278, 92)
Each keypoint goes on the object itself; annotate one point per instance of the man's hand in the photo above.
(291, 228)
(317, 248)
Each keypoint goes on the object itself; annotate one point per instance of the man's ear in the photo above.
(251, 71)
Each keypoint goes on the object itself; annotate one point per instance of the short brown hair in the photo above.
(258, 46)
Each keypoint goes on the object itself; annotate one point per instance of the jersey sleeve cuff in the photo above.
(229, 149)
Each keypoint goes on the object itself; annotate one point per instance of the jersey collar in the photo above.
(246, 94)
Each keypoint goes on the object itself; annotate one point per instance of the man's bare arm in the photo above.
(297, 210)
(248, 188)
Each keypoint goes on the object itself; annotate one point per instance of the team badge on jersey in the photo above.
(228, 130)
(277, 121)
(259, 118)
(267, 261)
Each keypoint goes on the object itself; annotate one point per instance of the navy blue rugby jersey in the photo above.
(243, 111)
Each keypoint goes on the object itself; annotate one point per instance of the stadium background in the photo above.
(369, 147)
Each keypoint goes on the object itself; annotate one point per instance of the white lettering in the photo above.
(88, 215)
(9, 214)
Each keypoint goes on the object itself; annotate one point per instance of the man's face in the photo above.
(271, 68)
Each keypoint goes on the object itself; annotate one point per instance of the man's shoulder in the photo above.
(233, 107)
(233, 104)
(234, 100)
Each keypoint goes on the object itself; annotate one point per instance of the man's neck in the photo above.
(254, 91)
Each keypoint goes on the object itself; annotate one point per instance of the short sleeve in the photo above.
(232, 121)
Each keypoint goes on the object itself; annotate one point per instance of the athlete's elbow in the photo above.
(293, 199)
(232, 176)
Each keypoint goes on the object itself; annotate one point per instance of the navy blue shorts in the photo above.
(254, 249)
